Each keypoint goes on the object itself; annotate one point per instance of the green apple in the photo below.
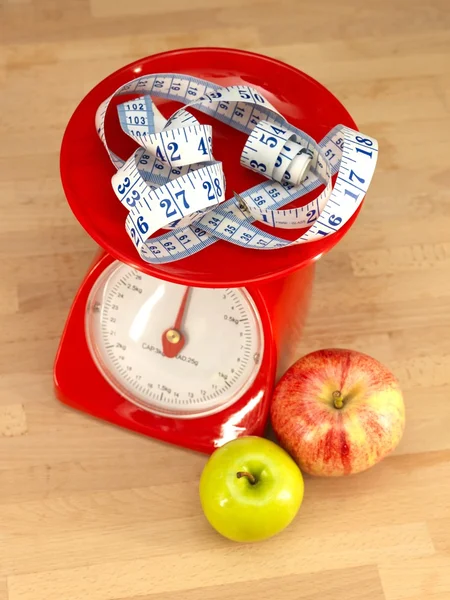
(250, 489)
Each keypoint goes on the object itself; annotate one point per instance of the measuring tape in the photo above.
(173, 182)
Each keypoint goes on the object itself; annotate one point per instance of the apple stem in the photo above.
(338, 400)
(250, 477)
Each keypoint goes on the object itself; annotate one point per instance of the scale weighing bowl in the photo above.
(86, 169)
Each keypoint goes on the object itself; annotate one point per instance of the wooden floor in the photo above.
(88, 511)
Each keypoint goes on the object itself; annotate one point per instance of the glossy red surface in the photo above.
(86, 169)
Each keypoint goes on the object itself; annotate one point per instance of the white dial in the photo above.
(135, 321)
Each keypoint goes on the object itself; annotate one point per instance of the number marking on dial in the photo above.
(212, 370)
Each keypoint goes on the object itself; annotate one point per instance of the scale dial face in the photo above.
(129, 313)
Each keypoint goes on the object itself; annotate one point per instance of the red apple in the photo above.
(337, 412)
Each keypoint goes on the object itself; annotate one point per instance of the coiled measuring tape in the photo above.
(173, 182)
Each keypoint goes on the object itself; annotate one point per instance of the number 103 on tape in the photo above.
(173, 182)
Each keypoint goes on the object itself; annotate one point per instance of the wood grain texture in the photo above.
(91, 511)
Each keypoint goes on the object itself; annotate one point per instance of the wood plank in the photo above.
(3, 590)
(362, 583)
(423, 578)
(439, 529)
(221, 564)
(13, 420)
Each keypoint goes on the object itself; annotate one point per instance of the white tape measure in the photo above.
(172, 181)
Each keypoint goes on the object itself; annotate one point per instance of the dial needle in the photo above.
(173, 339)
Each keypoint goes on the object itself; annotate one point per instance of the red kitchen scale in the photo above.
(188, 351)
